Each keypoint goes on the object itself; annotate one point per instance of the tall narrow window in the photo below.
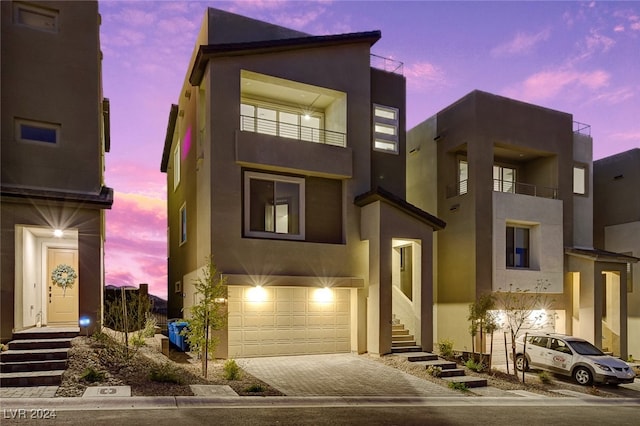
(463, 176)
(176, 166)
(183, 224)
(517, 247)
(579, 180)
(504, 179)
(273, 206)
(385, 129)
(37, 131)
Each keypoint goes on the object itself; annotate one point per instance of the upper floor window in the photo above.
(504, 179)
(463, 176)
(274, 206)
(385, 128)
(517, 247)
(36, 17)
(37, 131)
(579, 179)
(183, 224)
(176, 166)
(276, 120)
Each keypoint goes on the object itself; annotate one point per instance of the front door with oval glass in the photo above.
(62, 286)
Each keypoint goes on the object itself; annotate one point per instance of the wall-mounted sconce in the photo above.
(414, 151)
(58, 233)
(618, 177)
(257, 294)
(437, 137)
(324, 294)
(187, 94)
(454, 208)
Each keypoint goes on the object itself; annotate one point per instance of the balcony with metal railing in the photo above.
(581, 128)
(386, 64)
(292, 131)
(506, 186)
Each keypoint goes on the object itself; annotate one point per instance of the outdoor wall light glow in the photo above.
(85, 322)
(257, 294)
(219, 300)
(58, 233)
(323, 295)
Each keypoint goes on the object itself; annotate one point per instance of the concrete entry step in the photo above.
(399, 332)
(418, 356)
(47, 333)
(34, 355)
(445, 365)
(17, 367)
(26, 344)
(402, 349)
(403, 338)
(452, 372)
(470, 381)
(31, 378)
(399, 343)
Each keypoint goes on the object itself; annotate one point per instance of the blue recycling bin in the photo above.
(180, 340)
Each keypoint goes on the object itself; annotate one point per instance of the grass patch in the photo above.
(255, 388)
(478, 367)
(544, 377)
(458, 386)
(92, 375)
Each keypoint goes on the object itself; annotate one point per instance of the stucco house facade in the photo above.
(55, 132)
(514, 183)
(285, 159)
(617, 227)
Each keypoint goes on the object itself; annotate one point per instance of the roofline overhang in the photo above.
(380, 194)
(206, 52)
(598, 255)
(101, 200)
(168, 139)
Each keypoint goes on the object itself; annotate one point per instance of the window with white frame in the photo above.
(176, 166)
(517, 247)
(37, 131)
(183, 224)
(463, 176)
(35, 17)
(385, 128)
(273, 206)
(579, 180)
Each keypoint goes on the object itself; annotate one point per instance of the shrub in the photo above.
(255, 388)
(231, 370)
(445, 347)
(630, 358)
(474, 366)
(3, 347)
(92, 375)
(164, 373)
(434, 371)
(137, 340)
(544, 377)
(150, 324)
(458, 386)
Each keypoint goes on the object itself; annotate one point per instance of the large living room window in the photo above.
(517, 246)
(504, 179)
(277, 120)
(273, 206)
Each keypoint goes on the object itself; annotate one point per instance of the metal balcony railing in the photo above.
(581, 128)
(499, 185)
(386, 64)
(292, 131)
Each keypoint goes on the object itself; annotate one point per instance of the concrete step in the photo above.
(25, 366)
(470, 381)
(397, 327)
(34, 378)
(34, 355)
(47, 333)
(418, 356)
(400, 332)
(453, 372)
(399, 343)
(404, 349)
(445, 365)
(403, 338)
(26, 344)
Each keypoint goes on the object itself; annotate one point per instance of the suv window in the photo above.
(560, 346)
(538, 341)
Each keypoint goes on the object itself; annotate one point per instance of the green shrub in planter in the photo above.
(231, 370)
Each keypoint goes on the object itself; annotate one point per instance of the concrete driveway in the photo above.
(338, 375)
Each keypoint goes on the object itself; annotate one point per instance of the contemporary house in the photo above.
(285, 161)
(54, 135)
(514, 183)
(617, 227)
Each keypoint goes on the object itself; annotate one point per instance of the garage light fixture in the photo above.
(257, 294)
(58, 233)
(323, 295)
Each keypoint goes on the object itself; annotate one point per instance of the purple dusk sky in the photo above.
(578, 57)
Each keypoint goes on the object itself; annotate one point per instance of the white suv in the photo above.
(571, 356)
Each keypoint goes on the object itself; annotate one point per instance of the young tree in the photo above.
(482, 320)
(209, 314)
(518, 307)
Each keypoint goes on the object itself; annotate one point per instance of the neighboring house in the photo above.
(54, 135)
(617, 225)
(285, 160)
(513, 181)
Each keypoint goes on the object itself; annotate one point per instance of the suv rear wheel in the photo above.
(521, 363)
(583, 376)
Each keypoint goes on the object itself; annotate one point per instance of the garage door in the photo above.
(288, 321)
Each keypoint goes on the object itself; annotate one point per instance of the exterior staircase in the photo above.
(36, 357)
(404, 345)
